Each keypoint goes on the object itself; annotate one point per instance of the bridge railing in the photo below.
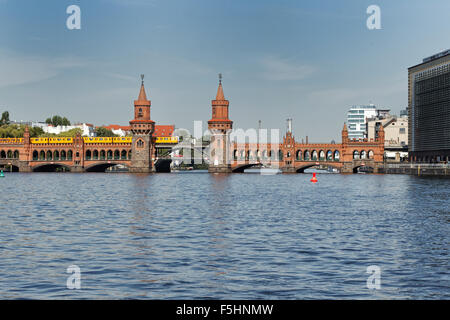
(416, 165)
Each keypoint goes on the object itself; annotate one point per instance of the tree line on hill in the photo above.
(9, 130)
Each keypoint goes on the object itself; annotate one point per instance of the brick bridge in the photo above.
(288, 156)
(139, 152)
(78, 154)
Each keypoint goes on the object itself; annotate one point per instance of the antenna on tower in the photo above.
(220, 78)
(142, 78)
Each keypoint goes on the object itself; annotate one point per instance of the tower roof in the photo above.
(142, 99)
(142, 95)
(220, 96)
(345, 127)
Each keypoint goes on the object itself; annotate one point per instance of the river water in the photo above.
(194, 235)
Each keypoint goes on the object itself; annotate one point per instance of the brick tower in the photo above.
(142, 128)
(220, 126)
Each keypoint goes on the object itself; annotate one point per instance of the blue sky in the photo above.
(309, 60)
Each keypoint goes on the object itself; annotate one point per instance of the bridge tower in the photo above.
(142, 128)
(220, 126)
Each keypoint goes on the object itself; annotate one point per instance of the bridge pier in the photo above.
(220, 168)
(288, 169)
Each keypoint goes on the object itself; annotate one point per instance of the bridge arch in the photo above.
(355, 169)
(51, 167)
(10, 167)
(303, 168)
(240, 169)
(102, 166)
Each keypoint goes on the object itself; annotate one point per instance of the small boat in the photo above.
(2, 175)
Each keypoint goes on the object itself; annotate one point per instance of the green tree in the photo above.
(103, 132)
(36, 132)
(58, 121)
(5, 118)
(65, 122)
(70, 133)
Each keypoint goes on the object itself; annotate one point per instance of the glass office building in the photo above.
(357, 121)
(429, 109)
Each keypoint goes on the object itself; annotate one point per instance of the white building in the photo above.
(395, 134)
(357, 120)
(87, 129)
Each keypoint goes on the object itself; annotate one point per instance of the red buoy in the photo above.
(314, 179)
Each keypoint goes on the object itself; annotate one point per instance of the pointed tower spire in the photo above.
(220, 104)
(142, 95)
(220, 96)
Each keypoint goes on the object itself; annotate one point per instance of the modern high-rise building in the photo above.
(356, 120)
(429, 109)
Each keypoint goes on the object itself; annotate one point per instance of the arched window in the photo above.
(88, 154)
(2, 154)
(95, 155)
(288, 154)
(298, 155)
(355, 154)
(306, 155)
(271, 155)
(264, 154)
(235, 155)
(321, 155)
(69, 155)
(249, 155)
(116, 155)
(329, 155)
(336, 155)
(63, 155)
(42, 155)
(56, 155)
(363, 154)
(9, 155)
(123, 155)
(314, 155)
(16, 154)
(49, 155)
(280, 155)
(102, 155)
(109, 155)
(140, 113)
(140, 143)
(35, 155)
(129, 155)
(242, 154)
